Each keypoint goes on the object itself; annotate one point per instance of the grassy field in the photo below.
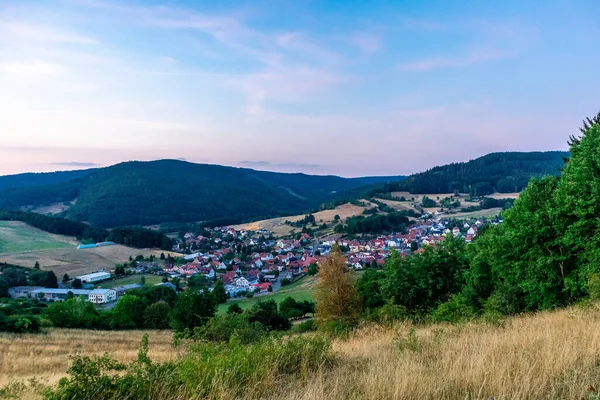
(278, 226)
(489, 213)
(549, 355)
(47, 356)
(150, 281)
(18, 237)
(77, 262)
(302, 289)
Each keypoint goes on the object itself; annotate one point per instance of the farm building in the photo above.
(94, 277)
(121, 290)
(96, 296)
(22, 291)
(86, 246)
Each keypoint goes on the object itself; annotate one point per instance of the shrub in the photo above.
(454, 310)
(306, 326)
(221, 328)
(232, 370)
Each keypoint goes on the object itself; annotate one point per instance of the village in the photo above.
(256, 263)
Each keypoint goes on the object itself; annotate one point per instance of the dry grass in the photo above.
(76, 262)
(545, 356)
(279, 228)
(550, 355)
(46, 357)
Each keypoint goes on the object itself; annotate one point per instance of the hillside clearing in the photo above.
(16, 236)
(488, 213)
(279, 228)
(73, 261)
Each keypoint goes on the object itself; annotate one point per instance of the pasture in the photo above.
(279, 228)
(16, 237)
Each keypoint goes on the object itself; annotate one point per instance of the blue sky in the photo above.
(347, 88)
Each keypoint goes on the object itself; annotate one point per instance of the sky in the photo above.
(351, 88)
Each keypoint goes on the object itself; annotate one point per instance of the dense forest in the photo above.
(496, 172)
(544, 255)
(144, 193)
(170, 191)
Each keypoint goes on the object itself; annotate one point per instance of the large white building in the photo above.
(94, 277)
(101, 296)
(96, 296)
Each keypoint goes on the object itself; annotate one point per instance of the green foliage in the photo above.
(421, 282)
(236, 368)
(234, 308)
(193, 308)
(394, 221)
(313, 269)
(267, 313)
(140, 238)
(20, 316)
(156, 316)
(46, 279)
(219, 292)
(369, 289)
(76, 284)
(306, 326)
(129, 312)
(222, 328)
(226, 370)
(292, 309)
(502, 172)
(73, 313)
(456, 309)
(427, 202)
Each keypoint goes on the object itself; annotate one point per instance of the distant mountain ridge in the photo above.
(144, 193)
(495, 172)
(155, 192)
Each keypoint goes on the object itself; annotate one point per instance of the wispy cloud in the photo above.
(43, 33)
(75, 164)
(474, 57)
(269, 164)
(32, 69)
(368, 43)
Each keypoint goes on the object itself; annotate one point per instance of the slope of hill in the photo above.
(496, 172)
(40, 179)
(147, 193)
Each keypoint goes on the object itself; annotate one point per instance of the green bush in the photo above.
(228, 370)
(234, 370)
(306, 326)
(456, 309)
(221, 328)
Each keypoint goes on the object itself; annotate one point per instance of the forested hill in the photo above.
(143, 193)
(41, 178)
(495, 172)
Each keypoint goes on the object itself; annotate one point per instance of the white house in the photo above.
(102, 296)
(242, 282)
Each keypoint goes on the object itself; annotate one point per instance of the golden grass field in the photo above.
(279, 228)
(47, 356)
(72, 261)
(550, 355)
